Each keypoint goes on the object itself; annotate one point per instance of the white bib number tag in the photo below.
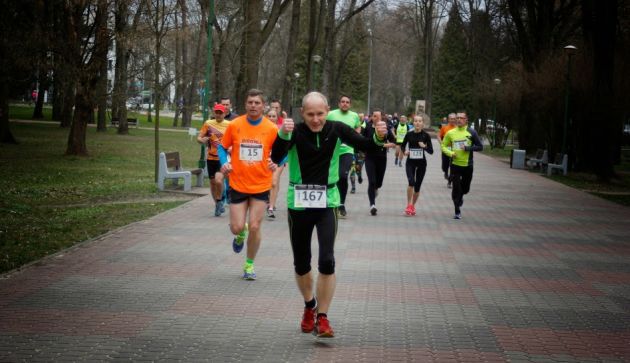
(459, 145)
(416, 154)
(251, 152)
(310, 196)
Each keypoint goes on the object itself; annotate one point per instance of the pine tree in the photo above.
(453, 73)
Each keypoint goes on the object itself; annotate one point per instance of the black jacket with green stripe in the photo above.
(313, 157)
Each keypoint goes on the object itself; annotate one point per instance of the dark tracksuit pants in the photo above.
(375, 169)
(461, 177)
(446, 162)
(345, 164)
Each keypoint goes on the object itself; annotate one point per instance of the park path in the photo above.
(535, 271)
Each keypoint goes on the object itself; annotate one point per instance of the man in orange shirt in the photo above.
(446, 161)
(210, 135)
(250, 138)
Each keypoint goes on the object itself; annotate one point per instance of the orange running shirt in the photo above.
(251, 149)
(444, 129)
(214, 130)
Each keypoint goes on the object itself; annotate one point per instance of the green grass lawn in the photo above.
(498, 152)
(25, 112)
(51, 201)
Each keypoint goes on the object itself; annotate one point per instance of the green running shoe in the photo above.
(248, 272)
(239, 240)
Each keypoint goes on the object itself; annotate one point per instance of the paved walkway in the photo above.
(535, 271)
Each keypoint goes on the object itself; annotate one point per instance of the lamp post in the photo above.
(369, 75)
(296, 76)
(497, 82)
(569, 50)
(316, 59)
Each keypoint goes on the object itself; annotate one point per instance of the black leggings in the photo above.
(301, 224)
(461, 177)
(375, 170)
(345, 163)
(415, 174)
(446, 162)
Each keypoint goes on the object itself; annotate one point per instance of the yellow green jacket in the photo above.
(459, 144)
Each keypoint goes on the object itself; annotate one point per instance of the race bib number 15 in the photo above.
(251, 152)
(310, 196)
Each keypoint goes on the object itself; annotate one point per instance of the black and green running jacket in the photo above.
(313, 157)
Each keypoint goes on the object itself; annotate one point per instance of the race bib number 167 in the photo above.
(310, 196)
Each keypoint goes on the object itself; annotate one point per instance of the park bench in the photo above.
(170, 167)
(540, 159)
(130, 121)
(560, 162)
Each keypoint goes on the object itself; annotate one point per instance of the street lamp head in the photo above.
(296, 74)
(497, 81)
(570, 49)
(317, 58)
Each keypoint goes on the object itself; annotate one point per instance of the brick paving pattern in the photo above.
(535, 271)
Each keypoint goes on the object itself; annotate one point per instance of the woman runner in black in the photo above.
(376, 160)
(419, 142)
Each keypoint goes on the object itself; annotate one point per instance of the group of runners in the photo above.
(321, 154)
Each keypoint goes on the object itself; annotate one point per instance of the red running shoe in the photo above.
(408, 210)
(308, 320)
(322, 328)
(412, 210)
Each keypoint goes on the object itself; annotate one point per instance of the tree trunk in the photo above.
(156, 81)
(317, 9)
(40, 37)
(38, 112)
(101, 85)
(178, 71)
(248, 74)
(57, 97)
(289, 79)
(82, 109)
(428, 61)
(600, 18)
(119, 94)
(79, 28)
(68, 101)
(323, 79)
(188, 71)
(6, 137)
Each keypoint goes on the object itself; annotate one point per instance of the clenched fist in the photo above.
(381, 129)
(288, 125)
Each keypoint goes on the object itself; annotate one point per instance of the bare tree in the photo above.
(84, 55)
(102, 36)
(159, 16)
(540, 30)
(331, 31)
(122, 34)
(289, 79)
(226, 48)
(253, 39)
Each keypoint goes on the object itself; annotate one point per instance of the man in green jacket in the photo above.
(459, 144)
(346, 154)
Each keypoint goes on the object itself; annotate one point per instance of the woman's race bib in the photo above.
(416, 154)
